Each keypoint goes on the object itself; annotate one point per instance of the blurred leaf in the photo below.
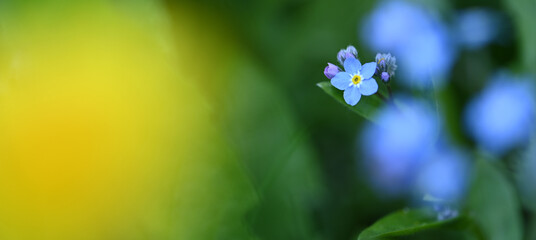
(525, 177)
(408, 222)
(366, 107)
(493, 205)
(522, 11)
(260, 124)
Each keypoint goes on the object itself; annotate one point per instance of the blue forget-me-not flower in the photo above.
(356, 80)
(502, 116)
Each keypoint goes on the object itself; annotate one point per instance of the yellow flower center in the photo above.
(356, 79)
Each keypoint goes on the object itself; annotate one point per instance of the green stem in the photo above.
(381, 96)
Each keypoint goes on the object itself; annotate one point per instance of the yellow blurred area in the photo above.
(99, 126)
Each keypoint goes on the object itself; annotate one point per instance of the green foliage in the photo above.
(408, 222)
(366, 107)
(522, 12)
(491, 212)
(492, 203)
(274, 150)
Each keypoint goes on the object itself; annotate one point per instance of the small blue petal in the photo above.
(368, 87)
(368, 70)
(331, 70)
(352, 95)
(352, 65)
(352, 51)
(349, 52)
(341, 56)
(341, 80)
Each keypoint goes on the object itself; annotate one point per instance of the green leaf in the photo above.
(408, 222)
(522, 12)
(366, 107)
(274, 150)
(493, 205)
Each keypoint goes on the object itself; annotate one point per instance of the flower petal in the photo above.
(341, 80)
(368, 70)
(368, 87)
(352, 65)
(331, 70)
(385, 76)
(352, 95)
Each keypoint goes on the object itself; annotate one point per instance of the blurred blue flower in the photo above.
(421, 42)
(478, 27)
(356, 80)
(444, 175)
(349, 52)
(502, 116)
(397, 145)
(386, 66)
(331, 70)
(406, 153)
